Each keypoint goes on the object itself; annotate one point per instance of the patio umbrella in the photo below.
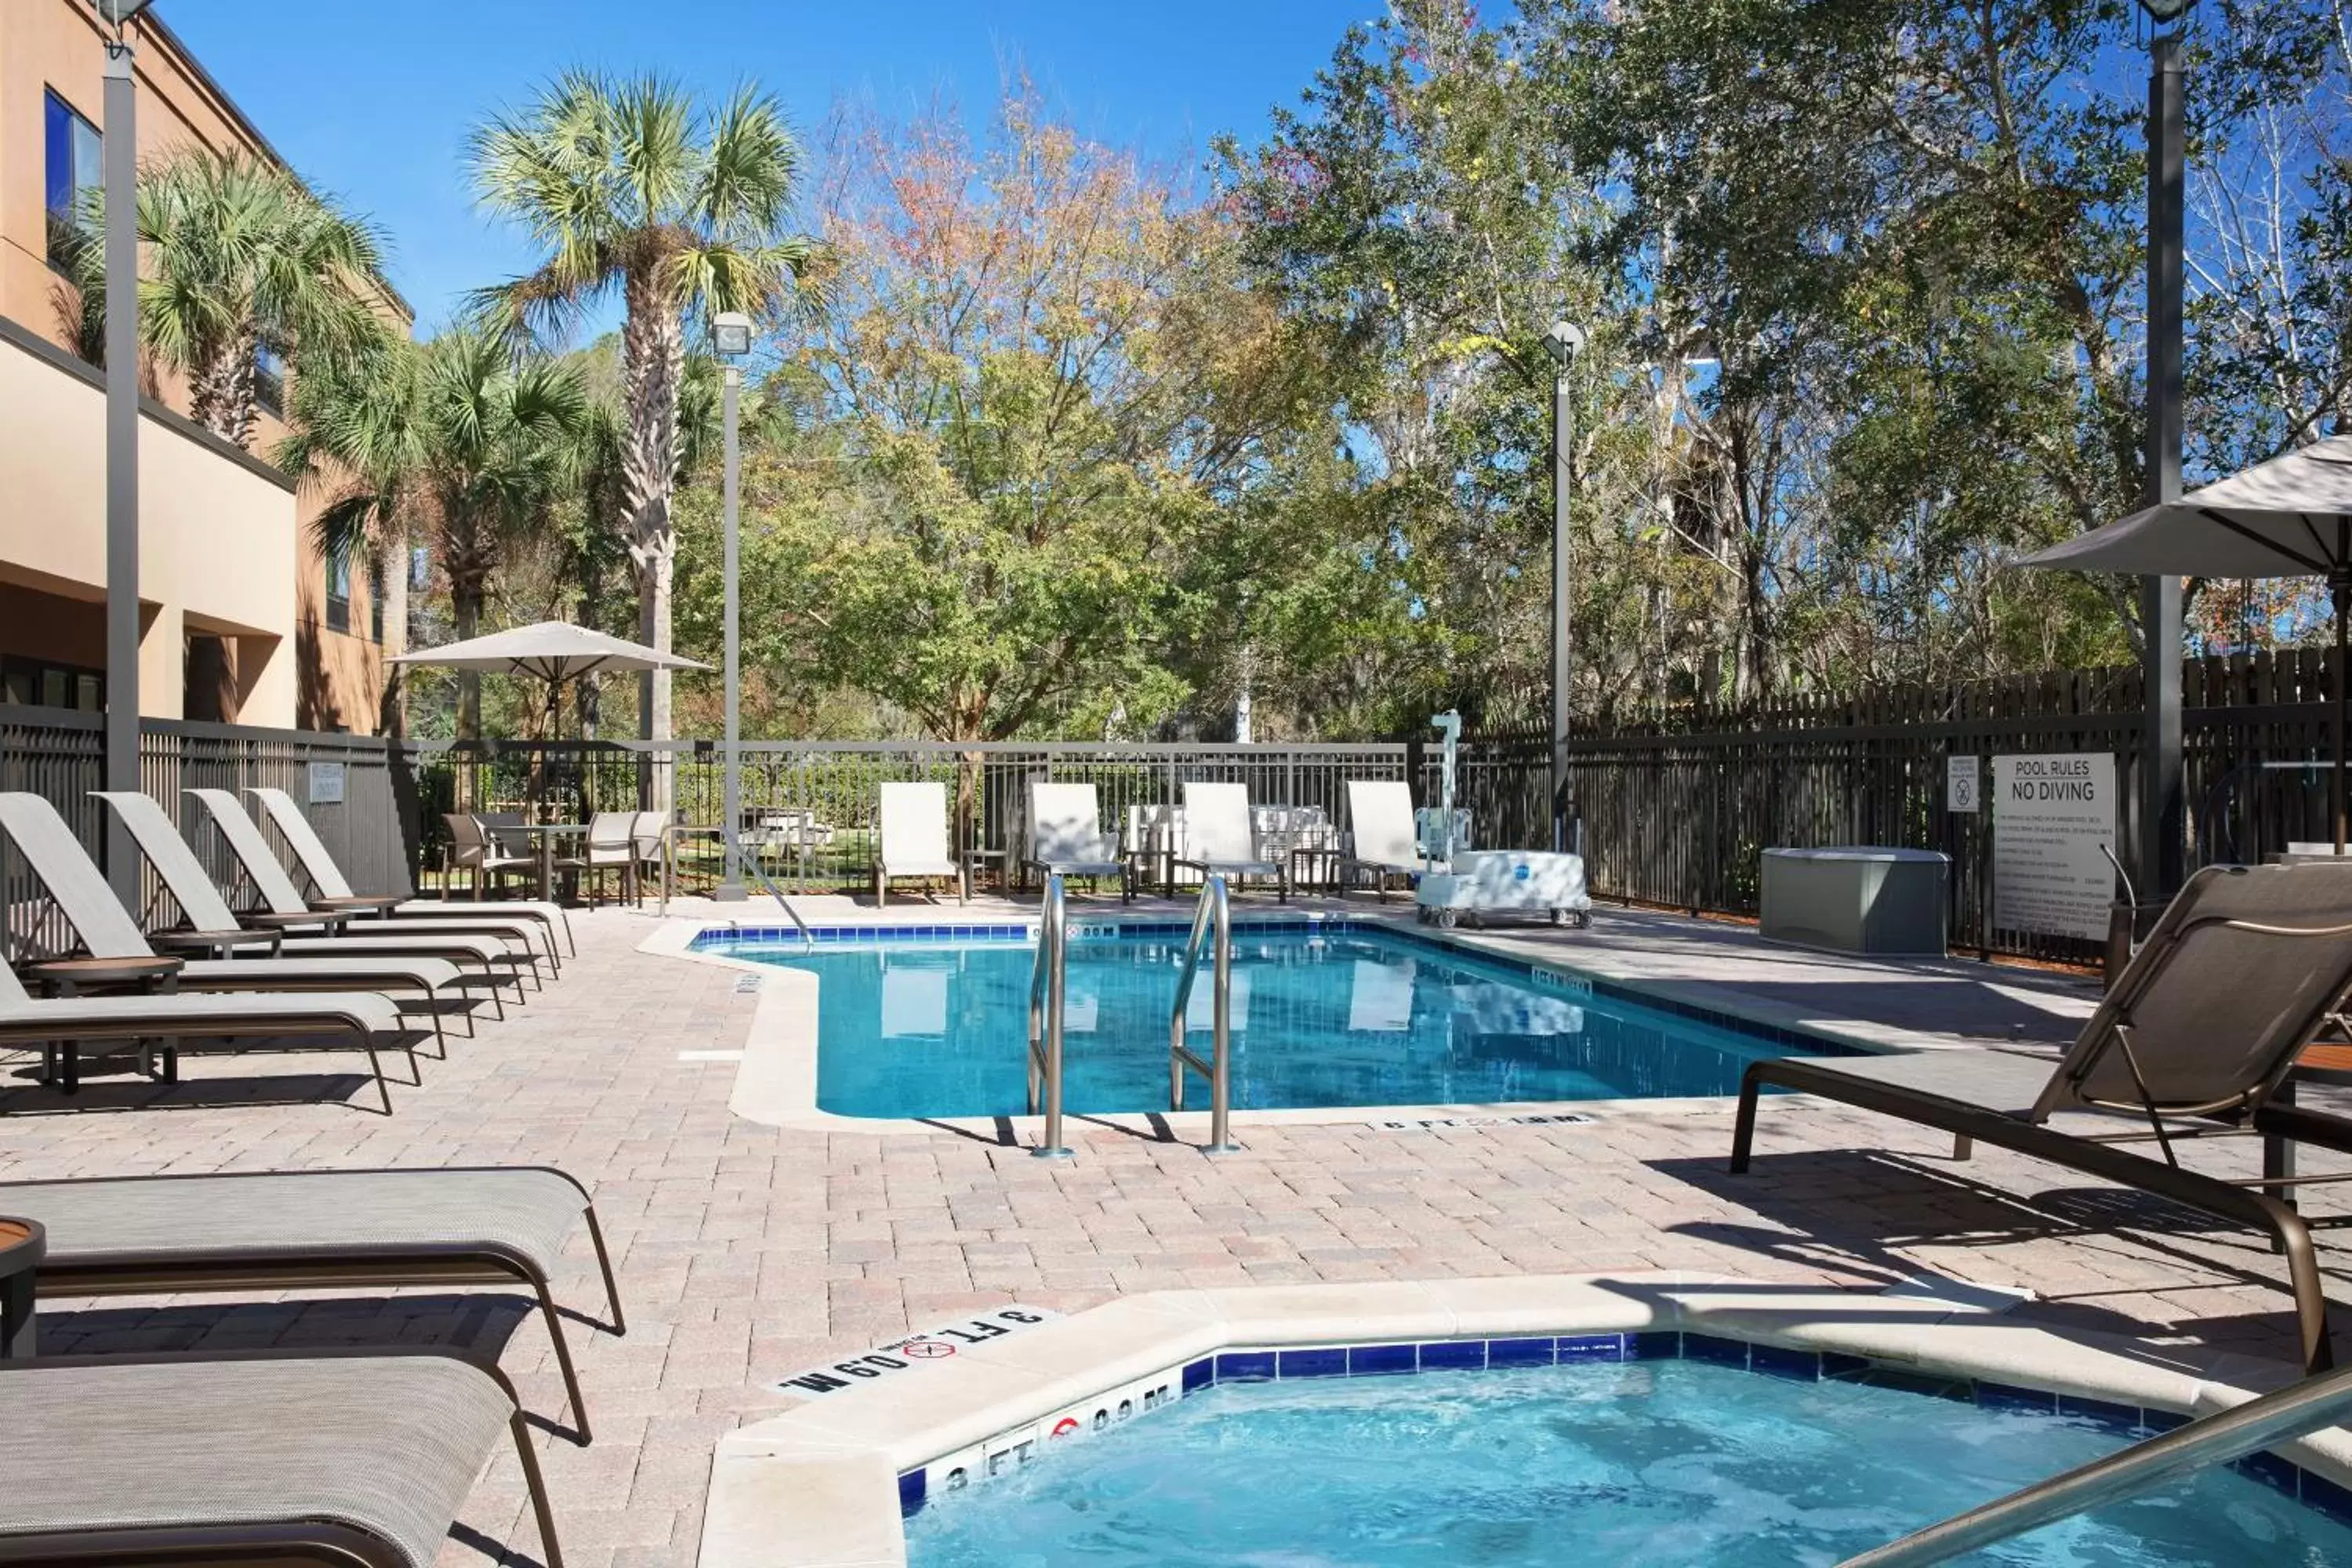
(2291, 517)
(554, 651)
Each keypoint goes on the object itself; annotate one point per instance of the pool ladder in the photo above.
(1212, 922)
(2290, 1412)
(1048, 974)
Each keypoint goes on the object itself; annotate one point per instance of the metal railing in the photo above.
(2291, 1412)
(1212, 924)
(759, 880)
(1047, 977)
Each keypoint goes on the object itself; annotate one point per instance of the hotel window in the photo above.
(70, 169)
(339, 591)
(269, 380)
(375, 600)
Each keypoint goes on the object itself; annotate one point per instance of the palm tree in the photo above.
(460, 439)
(239, 257)
(631, 188)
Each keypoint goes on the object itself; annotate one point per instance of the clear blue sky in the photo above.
(372, 100)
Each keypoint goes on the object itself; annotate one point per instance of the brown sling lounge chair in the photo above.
(2199, 1030)
(333, 1459)
(148, 1236)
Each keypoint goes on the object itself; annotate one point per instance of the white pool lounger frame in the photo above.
(819, 1486)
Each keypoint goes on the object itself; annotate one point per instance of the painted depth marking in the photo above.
(930, 1347)
(1429, 1123)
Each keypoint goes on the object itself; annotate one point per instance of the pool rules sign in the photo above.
(2054, 821)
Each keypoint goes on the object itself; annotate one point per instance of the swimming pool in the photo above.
(1619, 1465)
(1323, 1016)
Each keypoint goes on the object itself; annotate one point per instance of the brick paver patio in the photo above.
(747, 1253)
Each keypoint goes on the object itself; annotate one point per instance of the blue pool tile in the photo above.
(2271, 1471)
(2124, 1420)
(1453, 1355)
(1312, 1363)
(1245, 1366)
(1651, 1345)
(2162, 1420)
(1574, 1348)
(1200, 1374)
(1374, 1360)
(1776, 1360)
(910, 1492)
(2009, 1396)
(1836, 1363)
(1715, 1351)
(2333, 1500)
(1519, 1352)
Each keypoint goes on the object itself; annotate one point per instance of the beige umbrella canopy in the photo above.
(554, 651)
(2291, 517)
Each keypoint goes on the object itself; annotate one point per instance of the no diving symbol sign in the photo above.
(926, 1349)
(941, 1343)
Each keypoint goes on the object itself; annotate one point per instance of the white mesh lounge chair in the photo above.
(238, 1020)
(313, 1456)
(1381, 835)
(1217, 836)
(913, 820)
(510, 944)
(271, 1230)
(1065, 835)
(333, 891)
(2201, 1028)
(79, 889)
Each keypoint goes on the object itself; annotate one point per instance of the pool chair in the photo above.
(359, 1460)
(106, 929)
(471, 849)
(1218, 840)
(498, 1227)
(1065, 836)
(1380, 836)
(508, 942)
(612, 847)
(913, 819)
(333, 891)
(2198, 1033)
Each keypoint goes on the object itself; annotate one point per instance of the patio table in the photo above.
(23, 1243)
(544, 835)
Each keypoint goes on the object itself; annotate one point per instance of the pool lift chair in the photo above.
(1461, 885)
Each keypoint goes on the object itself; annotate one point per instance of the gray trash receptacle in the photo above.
(1856, 898)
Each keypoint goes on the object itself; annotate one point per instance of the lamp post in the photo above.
(730, 340)
(121, 191)
(1564, 341)
(2162, 858)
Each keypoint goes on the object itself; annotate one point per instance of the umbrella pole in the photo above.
(2340, 586)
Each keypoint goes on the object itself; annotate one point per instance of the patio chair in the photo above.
(471, 849)
(1380, 836)
(334, 890)
(242, 1020)
(2203, 1025)
(1218, 840)
(510, 943)
(1065, 836)
(612, 847)
(645, 844)
(281, 1230)
(913, 826)
(106, 929)
(357, 1459)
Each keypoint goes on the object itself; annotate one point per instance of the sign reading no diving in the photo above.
(2053, 824)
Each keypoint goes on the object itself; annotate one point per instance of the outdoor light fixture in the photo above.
(2164, 13)
(730, 334)
(1563, 340)
(118, 12)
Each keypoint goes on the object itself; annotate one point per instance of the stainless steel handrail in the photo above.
(1048, 979)
(1212, 919)
(760, 878)
(2290, 1412)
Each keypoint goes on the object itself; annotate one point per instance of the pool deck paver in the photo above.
(747, 1252)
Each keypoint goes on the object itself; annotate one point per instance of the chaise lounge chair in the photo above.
(2199, 1030)
(271, 1230)
(334, 892)
(1381, 835)
(1217, 837)
(356, 1460)
(913, 819)
(508, 945)
(1065, 836)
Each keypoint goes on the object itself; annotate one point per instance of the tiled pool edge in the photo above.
(823, 1486)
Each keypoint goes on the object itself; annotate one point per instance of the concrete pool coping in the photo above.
(776, 1081)
(818, 1486)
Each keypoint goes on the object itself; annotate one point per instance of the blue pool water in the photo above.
(1351, 1017)
(1645, 1465)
